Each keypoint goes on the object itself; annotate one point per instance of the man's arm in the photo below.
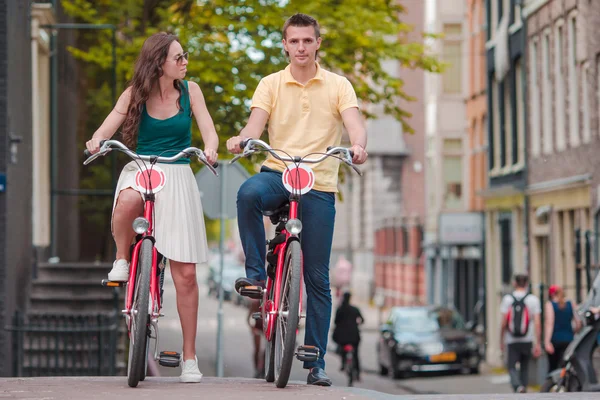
(503, 329)
(356, 131)
(253, 130)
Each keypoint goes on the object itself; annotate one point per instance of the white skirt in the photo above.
(179, 221)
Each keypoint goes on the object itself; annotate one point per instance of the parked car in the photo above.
(422, 339)
(232, 269)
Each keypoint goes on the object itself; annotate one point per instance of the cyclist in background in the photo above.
(347, 320)
(155, 112)
(305, 107)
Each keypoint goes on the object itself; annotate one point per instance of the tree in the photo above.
(233, 44)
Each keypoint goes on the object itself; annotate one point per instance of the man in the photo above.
(305, 107)
(521, 326)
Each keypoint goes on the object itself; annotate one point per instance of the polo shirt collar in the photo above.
(289, 78)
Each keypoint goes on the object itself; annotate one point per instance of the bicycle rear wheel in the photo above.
(138, 335)
(288, 314)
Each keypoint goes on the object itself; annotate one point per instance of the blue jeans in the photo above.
(265, 191)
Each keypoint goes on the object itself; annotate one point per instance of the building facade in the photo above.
(504, 199)
(387, 200)
(563, 167)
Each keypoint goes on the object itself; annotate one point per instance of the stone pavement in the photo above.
(68, 388)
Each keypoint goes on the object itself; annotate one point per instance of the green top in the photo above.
(167, 137)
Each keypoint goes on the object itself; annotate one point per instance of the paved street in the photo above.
(238, 352)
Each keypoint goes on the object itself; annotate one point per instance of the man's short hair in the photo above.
(521, 280)
(301, 20)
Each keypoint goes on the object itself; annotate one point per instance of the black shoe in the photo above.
(318, 377)
(243, 282)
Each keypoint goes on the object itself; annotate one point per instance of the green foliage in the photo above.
(232, 45)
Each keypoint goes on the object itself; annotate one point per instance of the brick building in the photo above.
(564, 142)
(387, 205)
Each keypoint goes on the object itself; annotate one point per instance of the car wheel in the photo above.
(474, 370)
(395, 371)
(383, 371)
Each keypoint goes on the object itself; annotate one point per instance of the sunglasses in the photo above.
(179, 59)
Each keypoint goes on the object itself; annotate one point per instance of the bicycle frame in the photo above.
(270, 308)
(154, 290)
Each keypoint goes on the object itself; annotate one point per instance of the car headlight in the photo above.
(294, 226)
(140, 225)
(407, 347)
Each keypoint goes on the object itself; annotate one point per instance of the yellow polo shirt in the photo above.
(304, 119)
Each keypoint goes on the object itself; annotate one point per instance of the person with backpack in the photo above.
(521, 331)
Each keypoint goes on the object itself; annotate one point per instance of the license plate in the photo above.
(443, 357)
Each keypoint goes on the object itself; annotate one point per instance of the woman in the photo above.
(559, 321)
(155, 112)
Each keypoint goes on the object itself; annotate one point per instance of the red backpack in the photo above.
(518, 317)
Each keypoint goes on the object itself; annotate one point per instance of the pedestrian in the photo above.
(521, 331)
(347, 320)
(306, 108)
(342, 274)
(560, 325)
(156, 113)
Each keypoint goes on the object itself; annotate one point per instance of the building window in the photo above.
(452, 54)
(559, 109)
(453, 146)
(519, 148)
(496, 126)
(546, 95)
(506, 248)
(535, 100)
(508, 122)
(452, 173)
(587, 130)
(573, 85)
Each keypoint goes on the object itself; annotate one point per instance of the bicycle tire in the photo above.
(270, 361)
(139, 326)
(349, 369)
(285, 333)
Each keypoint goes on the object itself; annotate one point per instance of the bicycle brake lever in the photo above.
(355, 168)
(234, 159)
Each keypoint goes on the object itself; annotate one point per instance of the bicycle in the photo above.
(350, 364)
(143, 293)
(281, 306)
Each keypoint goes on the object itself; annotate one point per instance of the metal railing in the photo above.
(64, 345)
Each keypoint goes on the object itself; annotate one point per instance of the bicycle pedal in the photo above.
(169, 359)
(256, 316)
(107, 283)
(253, 292)
(307, 353)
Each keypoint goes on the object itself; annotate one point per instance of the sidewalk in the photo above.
(214, 388)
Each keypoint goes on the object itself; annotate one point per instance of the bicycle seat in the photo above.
(275, 215)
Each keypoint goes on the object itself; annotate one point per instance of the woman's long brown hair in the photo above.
(148, 68)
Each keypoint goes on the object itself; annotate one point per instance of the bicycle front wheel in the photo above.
(288, 314)
(138, 335)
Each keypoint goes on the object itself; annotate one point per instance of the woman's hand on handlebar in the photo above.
(93, 145)
(211, 155)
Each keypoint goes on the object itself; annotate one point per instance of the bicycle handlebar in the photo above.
(249, 147)
(106, 146)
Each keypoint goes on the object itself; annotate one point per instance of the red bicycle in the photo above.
(281, 307)
(143, 298)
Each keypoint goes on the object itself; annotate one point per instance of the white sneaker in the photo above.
(189, 371)
(119, 272)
